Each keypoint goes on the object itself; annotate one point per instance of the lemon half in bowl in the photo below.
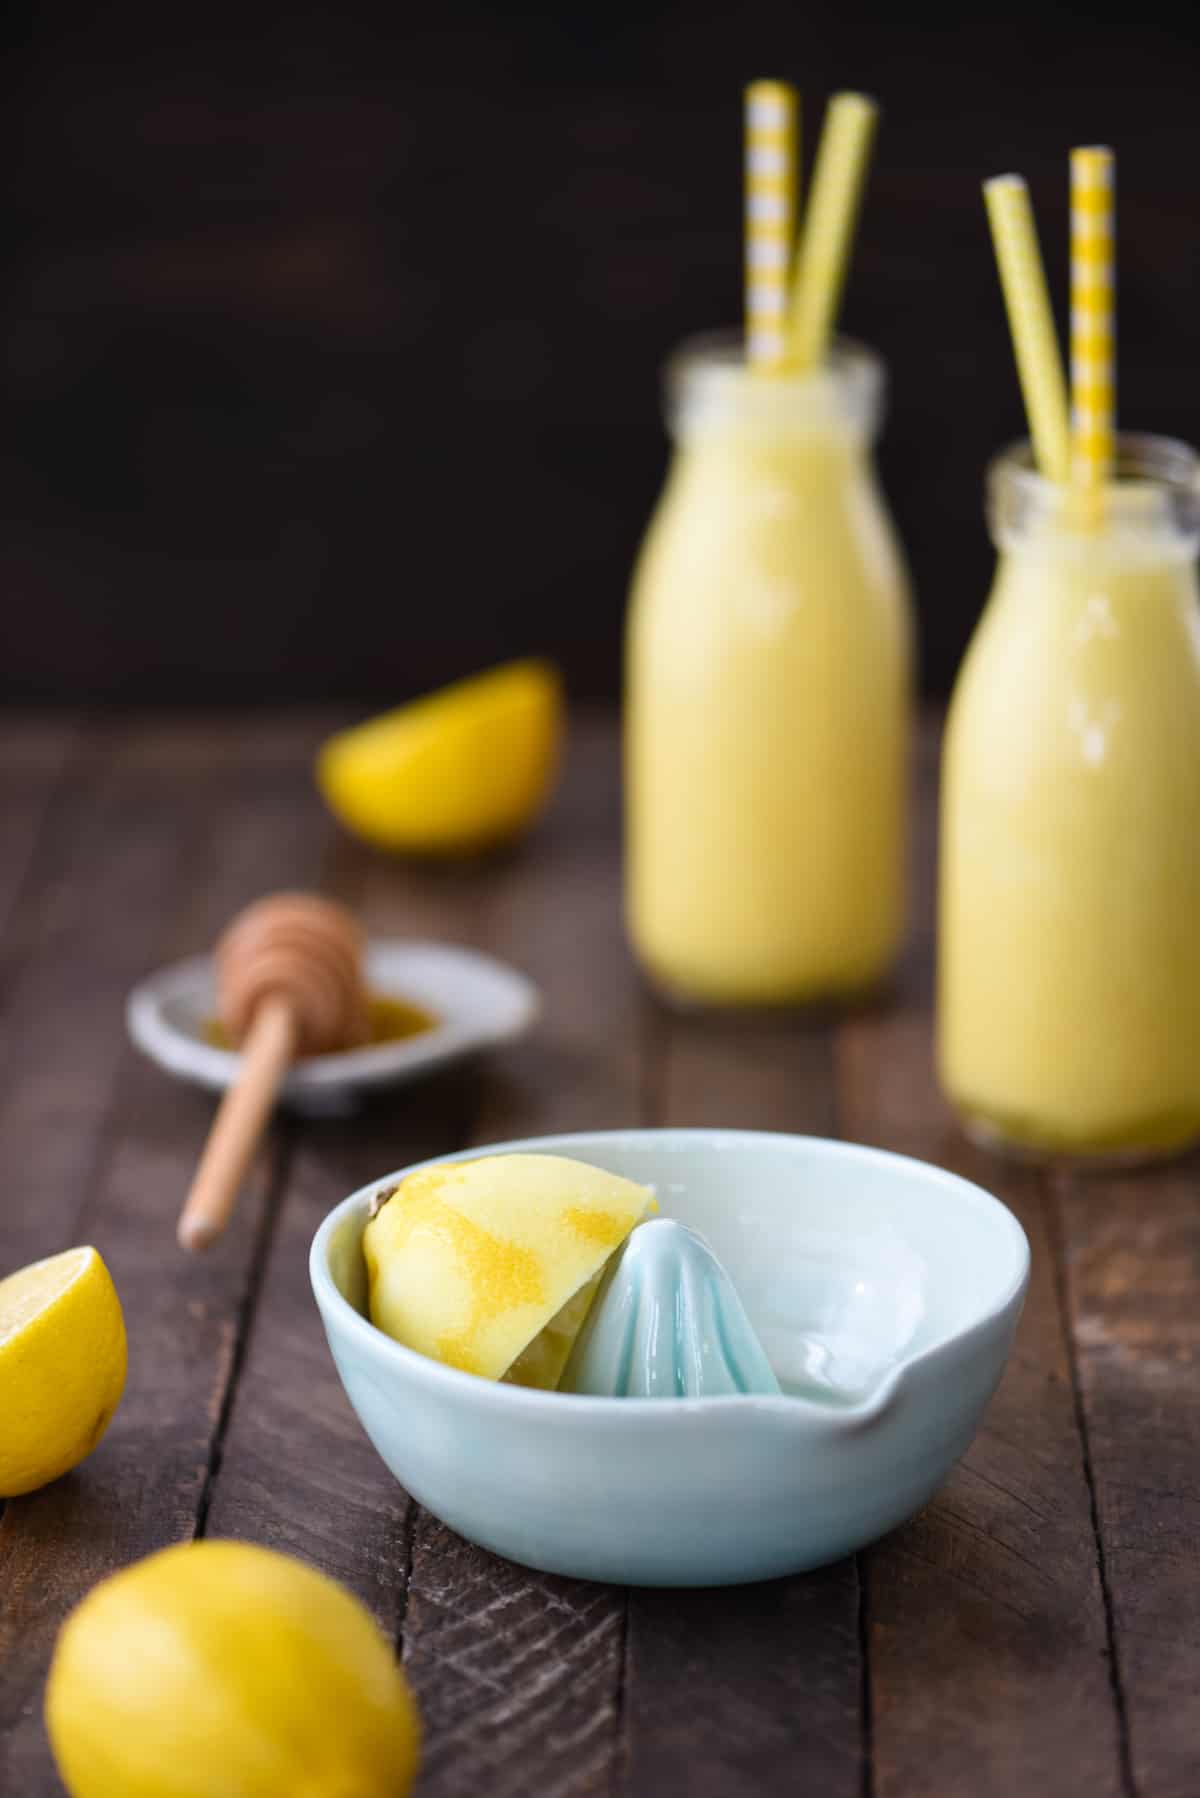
(491, 1265)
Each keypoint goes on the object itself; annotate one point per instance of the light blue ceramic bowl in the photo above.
(885, 1292)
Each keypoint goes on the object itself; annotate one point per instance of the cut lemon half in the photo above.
(459, 771)
(491, 1265)
(62, 1367)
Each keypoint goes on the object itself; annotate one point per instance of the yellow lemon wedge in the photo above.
(459, 771)
(62, 1367)
(223, 1670)
(491, 1265)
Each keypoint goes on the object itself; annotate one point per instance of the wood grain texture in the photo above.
(149, 852)
(1131, 1261)
(986, 1630)
(753, 1074)
(556, 911)
(517, 1671)
(746, 1691)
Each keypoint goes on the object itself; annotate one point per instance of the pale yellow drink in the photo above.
(1069, 952)
(768, 692)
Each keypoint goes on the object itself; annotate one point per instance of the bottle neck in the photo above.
(1148, 517)
(712, 395)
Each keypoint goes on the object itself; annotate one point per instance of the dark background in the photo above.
(329, 344)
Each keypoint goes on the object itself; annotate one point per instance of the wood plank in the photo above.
(556, 911)
(748, 1074)
(984, 1616)
(518, 1673)
(107, 867)
(1131, 1253)
(752, 1689)
(153, 852)
(746, 1689)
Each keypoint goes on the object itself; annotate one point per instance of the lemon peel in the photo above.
(220, 1669)
(491, 1265)
(455, 772)
(63, 1360)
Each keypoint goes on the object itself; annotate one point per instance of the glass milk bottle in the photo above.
(768, 690)
(1069, 978)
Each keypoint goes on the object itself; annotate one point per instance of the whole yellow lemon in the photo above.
(224, 1670)
(62, 1366)
(456, 772)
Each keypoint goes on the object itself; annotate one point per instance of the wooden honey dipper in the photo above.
(289, 983)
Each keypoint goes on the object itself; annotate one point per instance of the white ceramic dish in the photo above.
(478, 1002)
(885, 1292)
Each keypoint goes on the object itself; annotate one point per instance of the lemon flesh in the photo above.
(491, 1265)
(62, 1367)
(453, 773)
(224, 1670)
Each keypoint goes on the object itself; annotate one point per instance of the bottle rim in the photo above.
(852, 371)
(1143, 459)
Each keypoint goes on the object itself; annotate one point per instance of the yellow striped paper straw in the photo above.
(771, 183)
(1092, 316)
(838, 175)
(1031, 322)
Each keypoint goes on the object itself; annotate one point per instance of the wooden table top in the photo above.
(1035, 1630)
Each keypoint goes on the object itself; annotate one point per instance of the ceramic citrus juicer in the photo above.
(667, 1323)
(290, 983)
(883, 1291)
